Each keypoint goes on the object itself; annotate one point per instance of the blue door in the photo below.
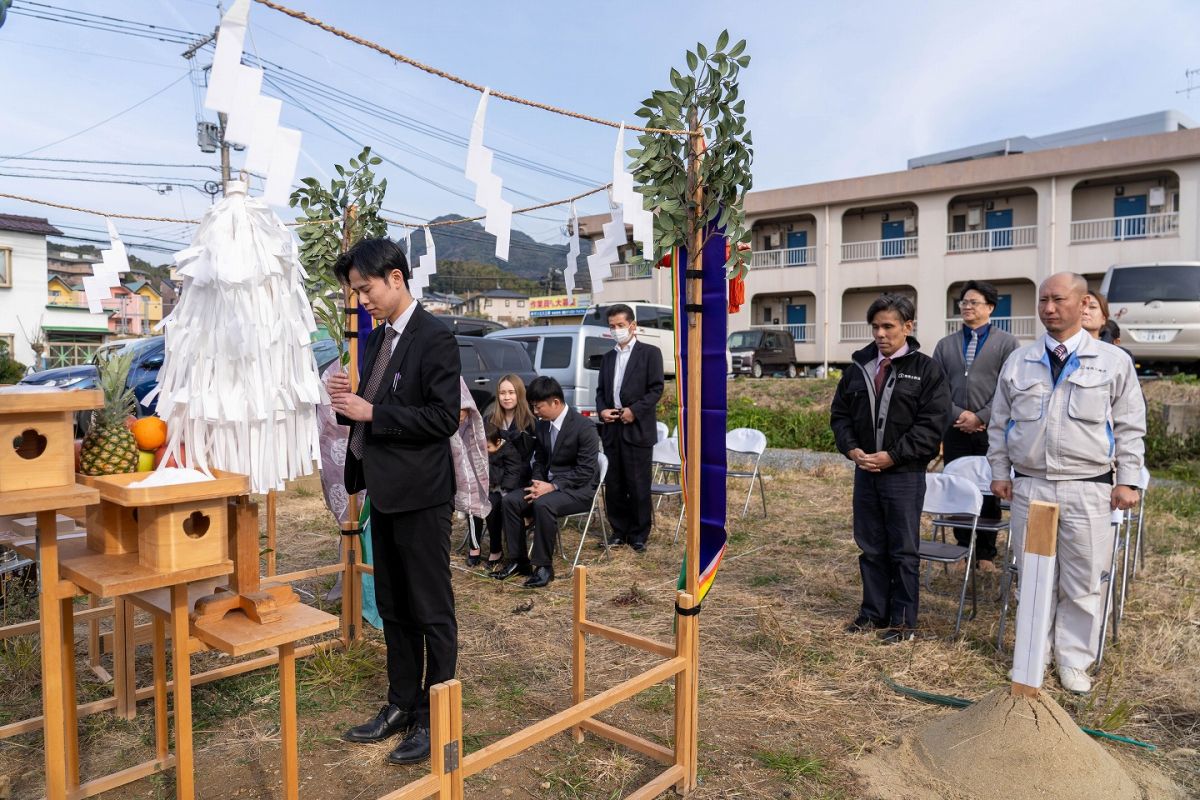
(1002, 316)
(1134, 207)
(999, 225)
(797, 317)
(893, 240)
(796, 241)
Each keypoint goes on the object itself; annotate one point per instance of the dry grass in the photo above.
(787, 700)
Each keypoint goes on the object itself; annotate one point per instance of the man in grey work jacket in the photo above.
(1068, 420)
(887, 415)
(971, 359)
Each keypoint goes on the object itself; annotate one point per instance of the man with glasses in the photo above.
(971, 359)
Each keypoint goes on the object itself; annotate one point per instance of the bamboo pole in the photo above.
(351, 584)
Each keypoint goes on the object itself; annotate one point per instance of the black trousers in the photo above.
(494, 524)
(887, 528)
(956, 444)
(416, 601)
(627, 487)
(545, 510)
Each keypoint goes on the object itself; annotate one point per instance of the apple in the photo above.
(129, 421)
(145, 461)
(161, 452)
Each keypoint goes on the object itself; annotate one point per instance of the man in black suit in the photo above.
(631, 382)
(565, 477)
(401, 419)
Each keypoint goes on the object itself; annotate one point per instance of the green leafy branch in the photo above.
(334, 219)
(704, 97)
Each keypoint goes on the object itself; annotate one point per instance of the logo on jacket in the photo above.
(905, 375)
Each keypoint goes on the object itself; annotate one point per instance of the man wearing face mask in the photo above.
(630, 385)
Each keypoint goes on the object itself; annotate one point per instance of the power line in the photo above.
(107, 18)
(148, 184)
(106, 161)
(103, 173)
(86, 24)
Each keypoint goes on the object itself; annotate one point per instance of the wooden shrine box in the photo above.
(37, 437)
(178, 527)
(112, 529)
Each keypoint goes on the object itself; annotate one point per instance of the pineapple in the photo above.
(109, 447)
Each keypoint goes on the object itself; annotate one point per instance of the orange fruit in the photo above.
(150, 433)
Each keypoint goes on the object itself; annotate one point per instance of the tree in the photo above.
(334, 220)
(705, 98)
(11, 371)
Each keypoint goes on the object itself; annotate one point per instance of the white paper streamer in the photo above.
(422, 272)
(488, 184)
(631, 201)
(239, 386)
(106, 275)
(252, 120)
(572, 253)
(607, 249)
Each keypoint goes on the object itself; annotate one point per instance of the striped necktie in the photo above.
(358, 437)
(1060, 353)
(972, 347)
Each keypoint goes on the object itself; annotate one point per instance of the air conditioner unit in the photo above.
(772, 241)
(1158, 196)
(973, 215)
(910, 224)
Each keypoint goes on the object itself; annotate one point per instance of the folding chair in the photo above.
(1114, 597)
(1138, 554)
(663, 431)
(602, 462)
(666, 455)
(978, 471)
(752, 443)
(944, 495)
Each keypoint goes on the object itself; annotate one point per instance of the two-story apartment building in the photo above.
(37, 332)
(506, 306)
(1010, 212)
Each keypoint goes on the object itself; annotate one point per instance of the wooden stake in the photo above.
(439, 736)
(1039, 573)
(579, 645)
(185, 788)
(271, 508)
(52, 656)
(159, 660)
(351, 585)
(288, 738)
(457, 776)
(685, 630)
(70, 712)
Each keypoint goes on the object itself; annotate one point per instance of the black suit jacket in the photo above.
(504, 469)
(641, 388)
(573, 461)
(406, 462)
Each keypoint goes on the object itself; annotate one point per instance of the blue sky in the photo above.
(835, 89)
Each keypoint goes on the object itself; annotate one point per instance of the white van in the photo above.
(1157, 306)
(655, 325)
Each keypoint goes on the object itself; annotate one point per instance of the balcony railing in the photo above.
(1021, 327)
(879, 248)
(801, 334)
(629, 272)
(861, 331)
(994, 239)
(791, 257)
(1112, 229)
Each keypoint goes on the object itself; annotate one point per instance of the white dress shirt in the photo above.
(555, 429)
(619, 370)
(879, 358)
(1072, 343)
(402, 322)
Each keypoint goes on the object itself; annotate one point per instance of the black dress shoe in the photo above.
(390, 721)
(615, 541)
(513, 568)
(494, 565)
(862, 624)
(638, 547)
(897, 635)
(473, 560)
(541, 577)
(414, 749)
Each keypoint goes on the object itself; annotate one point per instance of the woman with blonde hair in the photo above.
(512, 416)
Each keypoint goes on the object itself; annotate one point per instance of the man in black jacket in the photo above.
(402, 418)
(888, 414)
(565, 477)
(631, 382)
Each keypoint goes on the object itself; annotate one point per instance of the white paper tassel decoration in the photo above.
(239, 386)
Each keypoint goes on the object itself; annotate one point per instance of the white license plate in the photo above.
(1155, 336)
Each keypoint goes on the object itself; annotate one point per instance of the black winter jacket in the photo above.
(915, 407)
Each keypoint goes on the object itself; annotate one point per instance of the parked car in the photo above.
(762, 351)
(1157, 306)
(469, 326)
(568, 354)
(655, 325)
(485, 361)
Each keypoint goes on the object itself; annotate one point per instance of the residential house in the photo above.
(505, 306)
(439, 303)
(1010, 212)
(153, 305)
(39, 333)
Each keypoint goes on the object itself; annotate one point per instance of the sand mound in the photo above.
(1005, 748)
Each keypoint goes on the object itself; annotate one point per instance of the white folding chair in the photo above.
(1138, 554)
(666, 456)
(945, 495)
(663, 431)
(1114, 598)
(978, 471)
(602, 463)
(752, 443)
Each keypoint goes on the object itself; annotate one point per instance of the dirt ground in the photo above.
(788, 702)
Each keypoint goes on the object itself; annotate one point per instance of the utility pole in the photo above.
(223, 118)
(210, 136)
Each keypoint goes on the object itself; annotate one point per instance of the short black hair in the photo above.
(1110, 332)
(990, 295)
(372, 258)
(620, 308)
(491, 432)
(544, 388)
(893, 302)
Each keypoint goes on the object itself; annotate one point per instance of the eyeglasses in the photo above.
(970, 303)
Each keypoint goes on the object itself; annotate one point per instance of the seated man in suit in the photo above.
(565, 477)
(630, 385)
